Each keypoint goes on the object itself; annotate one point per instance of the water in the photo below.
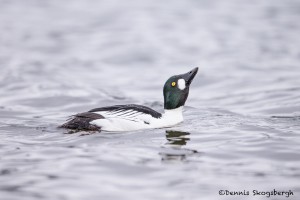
(242, 120)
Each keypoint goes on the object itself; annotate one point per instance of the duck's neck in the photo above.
(174, 115)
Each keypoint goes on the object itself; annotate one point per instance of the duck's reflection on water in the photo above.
(173, 149)
(177, 137)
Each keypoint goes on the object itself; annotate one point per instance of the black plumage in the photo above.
(81, 121)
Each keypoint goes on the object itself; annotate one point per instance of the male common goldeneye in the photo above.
(135, 117)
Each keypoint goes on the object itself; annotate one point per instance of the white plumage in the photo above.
(129, 120)
(181, 84)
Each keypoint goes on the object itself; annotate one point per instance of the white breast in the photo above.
(169, 118)
(130, 120)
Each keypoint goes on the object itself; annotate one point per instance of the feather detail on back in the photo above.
(125, 117)
(131, 107)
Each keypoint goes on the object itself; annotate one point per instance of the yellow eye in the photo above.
(173, 84)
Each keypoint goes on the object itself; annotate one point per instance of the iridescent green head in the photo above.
(176, 89)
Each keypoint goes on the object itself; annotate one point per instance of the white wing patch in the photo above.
(181, 84)
(123, 120)
(124, 114)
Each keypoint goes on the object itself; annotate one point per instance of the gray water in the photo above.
(242, 118)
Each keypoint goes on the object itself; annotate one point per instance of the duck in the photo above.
(133, 117)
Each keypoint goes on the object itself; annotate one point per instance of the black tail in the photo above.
(81, 122)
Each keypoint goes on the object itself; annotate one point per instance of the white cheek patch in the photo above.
(181, 84)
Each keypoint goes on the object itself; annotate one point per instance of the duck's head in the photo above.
(176, 89)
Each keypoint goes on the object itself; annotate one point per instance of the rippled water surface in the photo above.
(242, 119)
